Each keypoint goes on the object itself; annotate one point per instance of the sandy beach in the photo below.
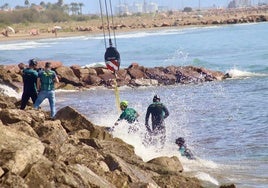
(161, 20)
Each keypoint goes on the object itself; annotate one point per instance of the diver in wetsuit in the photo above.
(158, 112)
(183, 148)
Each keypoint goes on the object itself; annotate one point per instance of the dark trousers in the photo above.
(25, 98)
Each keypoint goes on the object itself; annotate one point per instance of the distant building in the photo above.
(121, 9)
(163, 8)
(152, 7)
(262, 2)
(125, 9)
(136, 8)
(239, 3)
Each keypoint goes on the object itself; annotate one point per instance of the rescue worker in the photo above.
(29, 76)
(183, 148)
(158, 112)
(128, 114)
(46, 83)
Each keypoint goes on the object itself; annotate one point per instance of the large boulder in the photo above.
(159, 74)
(136, 72)
(189, 74)
(108, 79)
(166, 164)
(72, 121)
(82, 73)
(18, 150)
(67, 75)
(7, 102)
(122, 77)
(92, 80)
(56, 174)
(52, 132)
(6, 78)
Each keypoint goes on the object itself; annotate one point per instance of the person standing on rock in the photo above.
(29, 76)
(158, 112)
(45, 84)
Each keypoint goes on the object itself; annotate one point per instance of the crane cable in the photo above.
(108, 23)
(112, 56)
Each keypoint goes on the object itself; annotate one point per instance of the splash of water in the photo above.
(9, 91)
(235, 73)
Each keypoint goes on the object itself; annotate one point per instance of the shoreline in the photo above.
(27, 37)
(147, 22)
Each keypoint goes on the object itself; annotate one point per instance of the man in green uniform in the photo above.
(29, 76)
(45, 83)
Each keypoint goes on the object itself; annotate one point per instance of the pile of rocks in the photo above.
(77, 77)
(72, 152)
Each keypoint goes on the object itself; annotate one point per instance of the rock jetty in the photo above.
(72, 152)
(77, 77)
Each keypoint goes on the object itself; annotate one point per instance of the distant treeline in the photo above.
(43, 13)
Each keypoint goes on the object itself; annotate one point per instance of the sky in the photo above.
(92, 6)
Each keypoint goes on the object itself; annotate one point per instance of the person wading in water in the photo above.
(158, 112)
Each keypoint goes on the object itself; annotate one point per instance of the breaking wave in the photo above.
(235, 73)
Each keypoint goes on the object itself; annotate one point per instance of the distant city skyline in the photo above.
(92, 6)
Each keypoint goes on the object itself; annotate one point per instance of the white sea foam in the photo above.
(206, 177)
(9, 91)
(96, 64)
(197, 168)
(23, 45)
(235, 73)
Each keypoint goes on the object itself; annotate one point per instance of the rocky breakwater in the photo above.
(75, 76)
(203, 17)
(72, 152)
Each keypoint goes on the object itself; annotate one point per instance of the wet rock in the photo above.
(6, 78)
(133, 76)
(66, 75)
(82, 73)
(228, 186)
(93, 80)
(166, 164)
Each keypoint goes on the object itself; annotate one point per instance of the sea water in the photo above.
(224, 123)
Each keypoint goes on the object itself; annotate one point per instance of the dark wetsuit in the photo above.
(158, 112)
(29, 86)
